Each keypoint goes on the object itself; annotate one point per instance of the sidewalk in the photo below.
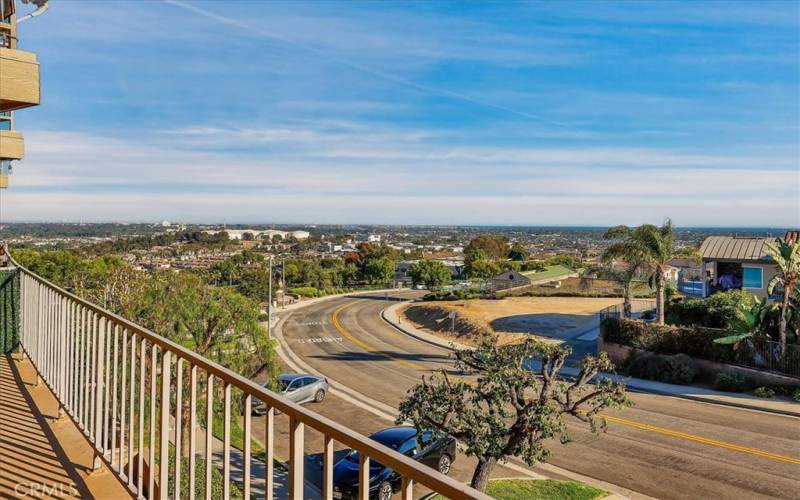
(738, 400)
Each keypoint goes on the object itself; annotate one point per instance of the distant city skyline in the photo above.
(569, 114)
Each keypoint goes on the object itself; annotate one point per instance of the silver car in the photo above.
(298, 388)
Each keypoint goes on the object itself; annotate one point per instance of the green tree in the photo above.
(511, 410)
(379, 270)
(215, 322)
(431, 273)
(652, 246)
(494, 246)
(482, 269)
(786, 255)
(518, 253)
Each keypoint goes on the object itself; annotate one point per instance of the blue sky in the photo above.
(419, 112)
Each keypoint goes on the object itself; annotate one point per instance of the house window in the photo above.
(752, 277)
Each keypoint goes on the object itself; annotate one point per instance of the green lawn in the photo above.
(550, 273)
(543, 489)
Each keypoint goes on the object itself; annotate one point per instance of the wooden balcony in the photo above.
(19, 79)
(12, 145)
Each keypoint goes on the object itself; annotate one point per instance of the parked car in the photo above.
(434, 449)
(299, 388)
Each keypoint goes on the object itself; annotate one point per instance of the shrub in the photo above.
(732, 382)
(454, 294)
(796, 395)
(716, 311)
(763, 392)
(678, 369)
(666, 339)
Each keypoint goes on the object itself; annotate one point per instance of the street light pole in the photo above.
(269, 304)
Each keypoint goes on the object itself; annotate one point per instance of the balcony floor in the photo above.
(40, 451)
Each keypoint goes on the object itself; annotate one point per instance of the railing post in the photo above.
(192, 429)
(209, 432)
(226, 444)
(327, 468)
(269, 480)
(152, 446)
(132, 411)
(296, 452)
(248, 425)
(178, 426)
(163, 460)
(98, 405)
(140, 450)
(363, 476)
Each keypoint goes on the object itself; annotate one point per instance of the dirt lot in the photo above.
(548, 317)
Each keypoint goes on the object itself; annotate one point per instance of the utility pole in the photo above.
(283, 283)
(269, 305)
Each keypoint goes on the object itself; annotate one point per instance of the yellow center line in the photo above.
(367, 347)
(617, 420)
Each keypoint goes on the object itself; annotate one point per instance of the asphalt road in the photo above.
(663, 447)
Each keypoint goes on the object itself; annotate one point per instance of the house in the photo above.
(515, 279)
(689, 276)
(736, 263)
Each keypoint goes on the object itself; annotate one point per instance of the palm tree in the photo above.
(626, 276)
(786, 255)
(649, 245)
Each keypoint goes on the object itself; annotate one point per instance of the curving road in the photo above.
(662, 447)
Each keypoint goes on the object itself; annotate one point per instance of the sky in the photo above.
(534, 113)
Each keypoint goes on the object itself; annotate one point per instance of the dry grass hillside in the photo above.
(547, 317)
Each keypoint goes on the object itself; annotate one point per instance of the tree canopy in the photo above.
(511, 410)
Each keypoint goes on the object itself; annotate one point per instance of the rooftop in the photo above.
(735, 248)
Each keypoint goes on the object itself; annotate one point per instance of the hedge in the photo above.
(9, 311)
(695, 341)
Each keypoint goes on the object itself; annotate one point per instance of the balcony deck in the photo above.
(40, 450)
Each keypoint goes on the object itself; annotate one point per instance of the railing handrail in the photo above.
(398, 462)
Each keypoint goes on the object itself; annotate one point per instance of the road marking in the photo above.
(319, 340)
(608, 418)
(364, 345)
(701, 439)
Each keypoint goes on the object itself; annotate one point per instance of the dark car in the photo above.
(434, 449)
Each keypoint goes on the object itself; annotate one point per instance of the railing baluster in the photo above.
(131, 411)
(178, 427)
(82, 371)
(140, 451)
(152, 445)
(98, 415)
(296, 451)
(163, 459)
(407, 489)
(363, 476)
(269, 453)
(327, 468)
(209, 432)
(115, 374)
(192, 430)
(123, 394)
(94, 387)
(226, 450)
(106, 385)
(248, 424)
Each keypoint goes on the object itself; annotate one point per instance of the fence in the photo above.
(765, 355)
(122, 383)
(638, 308)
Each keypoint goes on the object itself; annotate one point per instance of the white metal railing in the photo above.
(105, 371)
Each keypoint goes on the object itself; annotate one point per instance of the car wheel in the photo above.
(385, 491)
(319, 396)
(444, 464)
